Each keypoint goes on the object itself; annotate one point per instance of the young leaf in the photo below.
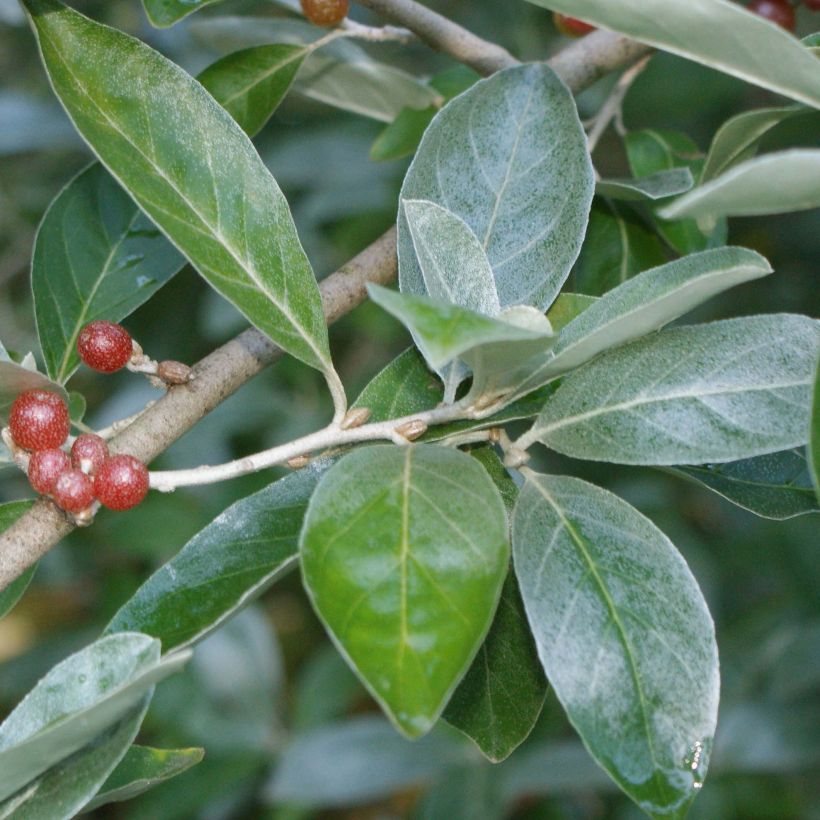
(772, 184)
(453, 263)
(76, 701)
(96, 256)
(509, 157)
(645, 303)
(655, 186)
(737, 139)
(164, 13)
(717, 33)
(15, 379)
(141, 769)
(9, 596)
(776, 485)
(624, 636)
(224, 566)
(249, 84)
(814, 433)
(190, 168)
(68, 785)
(499, 699)
(618, 245)
(690, 395)
(404, 553)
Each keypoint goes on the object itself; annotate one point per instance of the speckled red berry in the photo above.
(776, 11)
(73, 491)
(325, 12)
(121, 482)
(38, 420)
(88, 453)
(45, 467)
(571, 26)
(104, 346)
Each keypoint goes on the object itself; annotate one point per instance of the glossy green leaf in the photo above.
(718, 33)
(76, 701)
(737, 139)
(690, 395)
(655, 186)
(776, 485)
(645, 303)
(224, 566)
(623, 634)
(509, 157)
(96, 256)
(566, 307)
(359, 761)
(15, 379)
(500, 698)
(341, 74)
(618, 245)
(190, 168)
(9, 596)
(404, 552)
(141, 769)
(164, 13)
(814, 434)
(67, 786)
(249, 84)
(402, 136)
(772, 184)
(453, 263)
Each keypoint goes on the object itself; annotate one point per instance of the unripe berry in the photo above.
(38, 420)
(571, 26)
(325, 12)
(776, 11)
(45, 467)
(104, 346)
(74, 491)
(88, 453)
(121, 482)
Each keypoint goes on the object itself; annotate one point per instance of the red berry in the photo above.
(74, 491)
(776, 11)
(571, 26)
(325, 12)
(45, 467)
(88, 453)
(105, 346)
(121, 483)
(38, 420)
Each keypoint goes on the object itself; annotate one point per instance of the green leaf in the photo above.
(164, 13)
(76, 406)
(466, 793)
(655, 186)
(814, 433)
(96, 256)
(509, 157)
(325, 690)
(618, 245)
(141, 769)
(76, 701)
(645, 303)
(191, 169)
(623, 634)
(453, 263)
(68, 786)
(499, 699)
(249, 84)
(404, 552)
(717, 33)
(358, 761)
(737, 139)
(566, 307)
(776, 485)
(9, 596)
(15, 379)
(402, 136)
(341, 74)
(704, 393)
(224, 566)
(772, 184)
